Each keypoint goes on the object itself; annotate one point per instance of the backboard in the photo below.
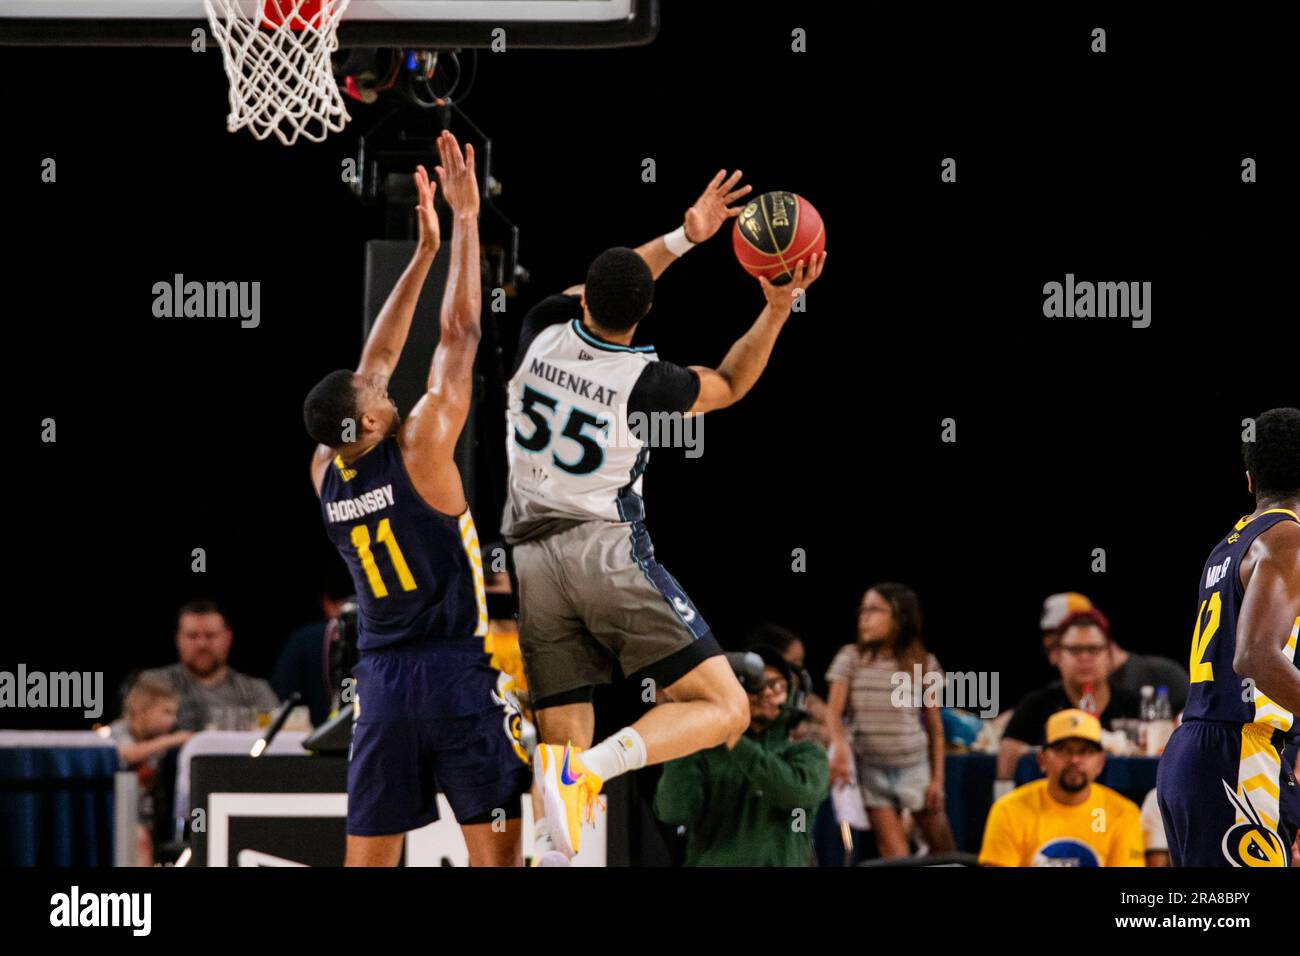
(429, 24)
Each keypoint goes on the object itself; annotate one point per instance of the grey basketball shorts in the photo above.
(593, 598)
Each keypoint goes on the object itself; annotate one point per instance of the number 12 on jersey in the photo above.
(1200, 668)
(361, 541)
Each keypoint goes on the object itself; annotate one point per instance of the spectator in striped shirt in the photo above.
(896, 747)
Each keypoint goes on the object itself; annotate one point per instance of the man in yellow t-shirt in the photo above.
(1065, 819)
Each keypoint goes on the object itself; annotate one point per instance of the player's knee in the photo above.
(735, 707)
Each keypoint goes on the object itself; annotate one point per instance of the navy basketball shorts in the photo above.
(430, 719)
(1227, 795)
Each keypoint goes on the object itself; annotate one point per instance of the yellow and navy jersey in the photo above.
(1217, 692)
(417, 572)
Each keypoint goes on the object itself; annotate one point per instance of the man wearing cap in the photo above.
(1083, 657)
(1056, 609)
(1065, 819)
(1129, 671)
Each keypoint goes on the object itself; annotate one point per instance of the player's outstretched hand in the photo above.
(430, 235)
(806, 272)
(456, 173)
(713, 208)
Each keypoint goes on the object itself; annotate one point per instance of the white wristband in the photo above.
(677, 242)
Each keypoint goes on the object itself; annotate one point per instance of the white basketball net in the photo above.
(281, 80)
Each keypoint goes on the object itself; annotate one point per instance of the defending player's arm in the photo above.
(428, 437)
(388, 335)
(744, 363)
(1268, 616)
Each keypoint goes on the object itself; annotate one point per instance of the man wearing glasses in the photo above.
(1083, 659)
(751, 805)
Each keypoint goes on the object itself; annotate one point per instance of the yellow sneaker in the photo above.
(568, 793)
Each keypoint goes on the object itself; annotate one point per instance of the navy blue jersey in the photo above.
(1217, 692)
(417, 572)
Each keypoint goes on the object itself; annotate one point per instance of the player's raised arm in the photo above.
(1268, 617)
(701, 222)
(429, 435)
(384, 346)
(388, 336)
(744, 363)
(451, 373)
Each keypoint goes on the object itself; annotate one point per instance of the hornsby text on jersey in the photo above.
(349, 509)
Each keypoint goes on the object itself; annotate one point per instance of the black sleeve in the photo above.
(664, 387)
(552, 310)
(1124, 705)
(1029, 722)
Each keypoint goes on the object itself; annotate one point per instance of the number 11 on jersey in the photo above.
(361, 541)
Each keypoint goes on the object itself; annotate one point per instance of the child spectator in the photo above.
(144, 732)
(898, 747)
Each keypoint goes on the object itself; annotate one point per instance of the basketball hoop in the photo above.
(277, 57)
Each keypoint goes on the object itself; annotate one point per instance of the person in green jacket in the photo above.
(752, 805)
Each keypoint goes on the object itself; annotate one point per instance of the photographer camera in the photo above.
(751, 805)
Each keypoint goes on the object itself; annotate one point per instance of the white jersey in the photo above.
(572, 456)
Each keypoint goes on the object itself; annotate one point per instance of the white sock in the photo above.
(542, 842)
(615, 755)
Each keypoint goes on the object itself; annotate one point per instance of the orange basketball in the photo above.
(774, 232)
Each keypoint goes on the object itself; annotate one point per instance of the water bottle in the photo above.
(1087, 702)
(1145, 716)
(1161, 724)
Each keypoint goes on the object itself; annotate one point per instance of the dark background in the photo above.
(1072, 435)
